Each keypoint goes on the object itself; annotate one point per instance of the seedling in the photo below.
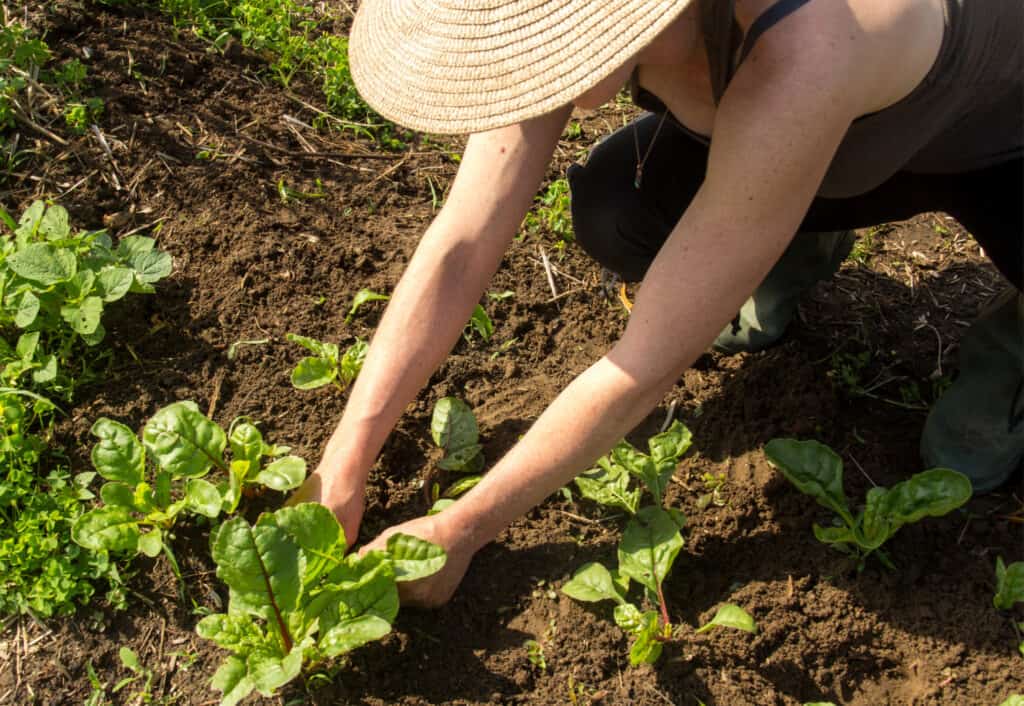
(1009, 584)
(362, 297)
(479, 323)
(535, 653)
(295, 597)
(184, 446)
(453, 428)
(552, 213)
(714, 484)
(141, 673)
(327, 365)
(650, 542)
(817, 470)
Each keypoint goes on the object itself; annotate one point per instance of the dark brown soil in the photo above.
(249, 267)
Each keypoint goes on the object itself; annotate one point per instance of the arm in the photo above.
(497, 179)
(775, 134)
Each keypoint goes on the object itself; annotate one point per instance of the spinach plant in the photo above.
(650, 542)
(454, 429)
(327, 364)
(817, 470)
(296, 597)
(1010, 590)
(480, 324)
(184, 446)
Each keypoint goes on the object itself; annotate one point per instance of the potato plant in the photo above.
(295, 597)
(650, 542)
(327, 364)
(817, 470)
(454, 430)
(141, 505)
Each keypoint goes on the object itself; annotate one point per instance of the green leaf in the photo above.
(932, 493)
(47, 372)
(467, 459)
(414, 558)
(312, 373)
(94, 338)
(43, 263)
(314, 529)
(27, 345)
(84, 318)
(480, 322)
(110, 528)
(647, 648)
(373, 591)
(649, 546)
(120, 494)
(671, 444)
(349, 634)
(628, 617)
(318, 348)
(54, 223)
(151, 267)
(118, 455)
(202, 497)
(183, 441)
(1009, 584)
(593, 582)
(731, 616)
(608, 484)
(461, 486)
(80, 285)
(814, 469)
(232, 679)
(352, 362)
(246, 443)
(452, 425)
(283, 474)
(270, 672)
(134, 245)
(362, 297)
(231, 632)
(440, 505)
(114, 282)
(834, 535)
(29, 221)
(1013, 700)
(151, 543)
(26, 309)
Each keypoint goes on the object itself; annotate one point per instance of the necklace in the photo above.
(640, 162)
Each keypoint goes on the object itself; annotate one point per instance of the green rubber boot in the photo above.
(977, 426)
(764, 317)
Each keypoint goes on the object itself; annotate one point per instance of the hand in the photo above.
(434, 590)
(336, 491)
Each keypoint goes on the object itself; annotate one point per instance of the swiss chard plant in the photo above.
(295, 597)
(1010, 591)
(55, 285)
(817, 470)
(150, 482)
(454, 429)
(363, 296)
(650, 542)
(327, 364)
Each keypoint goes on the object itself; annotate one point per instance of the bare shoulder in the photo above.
(876, 50)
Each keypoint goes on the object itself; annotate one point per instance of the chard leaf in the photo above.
(628, 617)
(352, 362)
(246, 443)
(362, 297)
(731, 616)
(671, 444)
(480, 322)
(814, 469)
(834, 535)
(468, 459)
(183, 441)
(269, 671)
(461, 486)
(203, 498)
(43, 263)
(120, 494)
(261, 567)
(118, 455)
(315, 530)
(440, 505)
(932, 493)
(320, 349)
(1009, 584)
(151, 543)
(647, 648)
(608, 484)
(452, 425)
(232, 632)
(592, 582)
(351, 633)
(283, 474)
(373, 590)
(414, 558)
(649, 546)
(232, 680)
(312, 373)
(109, 527)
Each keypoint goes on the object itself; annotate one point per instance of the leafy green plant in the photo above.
(650, 542)
(1009, 584)
(363, 296)
(817, 470)
(79, 115)
(42, 571)
(141, 675)
(184, 446)
(20, 55)
(327, 364)
(295, 597)
(454, 430)
(480, 324)
(552, 213)
(55, 285)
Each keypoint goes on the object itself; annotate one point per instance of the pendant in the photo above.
(639, 175)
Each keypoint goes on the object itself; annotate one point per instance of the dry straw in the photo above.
(445, 66)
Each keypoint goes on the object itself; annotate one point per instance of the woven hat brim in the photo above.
(452, 67)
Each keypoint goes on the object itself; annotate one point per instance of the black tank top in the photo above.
(966, 114)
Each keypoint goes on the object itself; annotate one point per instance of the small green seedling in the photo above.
(327, 364)
(454, 429)
(295, 597)
(362, 297)
(1009, 584)
(184, 446)
(479, 323)
(142, 675)
(650, 542)
(535, 653)
(817, 470)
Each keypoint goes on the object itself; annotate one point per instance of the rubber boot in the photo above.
(977, 426)
(764, 317)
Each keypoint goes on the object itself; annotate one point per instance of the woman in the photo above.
(809, 116)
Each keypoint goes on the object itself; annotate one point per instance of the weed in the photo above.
(79, 116)
(552, 213)
(535, 653)
(327, 364)
(863, 248)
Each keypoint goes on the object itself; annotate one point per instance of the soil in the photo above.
(200, 143)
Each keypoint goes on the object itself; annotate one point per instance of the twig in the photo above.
(861, 469)
(98, 134)
(21, 117)
(321, 155)
(669, 415)
(133, 231)
(547, 271)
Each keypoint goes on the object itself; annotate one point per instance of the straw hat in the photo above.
(451, 66)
